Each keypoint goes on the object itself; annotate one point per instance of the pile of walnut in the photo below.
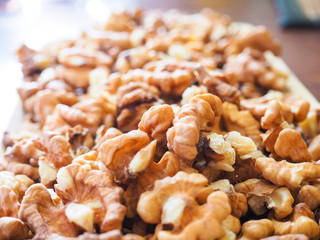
(161, 126)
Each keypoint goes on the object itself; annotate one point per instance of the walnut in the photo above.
(169, 83)
(133, 101)
(232, 224)
(287, 237)
(224, 91)
(244, 168)
(258, 38)
(200, 114)
(300, 222)
(262, 194)
(18, 183)
(310, 127)
(238, 201)
(290, 144)
(171, 204)
(91, 192)
(13, 228)
(242, 122)
(76, 57)
(108, 134)
(58, 155)
(43, 216)
(251, 66)
(134, 58)
(33, 62)
(127, 154)
(314, 148)
(256, 229)
(310, 195)
(192, 91)
(80, 139)
(9, 202)
(242, 145)
(156, 121)
(23, 157)
(219, 154)
(168, 166)
(287, 174)
(89, 113)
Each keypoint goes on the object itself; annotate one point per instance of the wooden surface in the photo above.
(31, 22)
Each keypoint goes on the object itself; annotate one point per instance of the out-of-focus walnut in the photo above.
(238, 201)
(23, 157)
(105, 135)
(18, 183)
(156, 121)
(79, 138)
(310, 127)
(133, 101)
(262, 194)
(288, 174)
(172, 205)
(128, 154)
(43, 216)
(58, 155)
(300, 222)
(76, 57)
(292, 108)
(224, 91)
(310, 195)
(192, 91)
(169, 83)
(13, 228)
(33, 62)
(168, 166)
(258, 38)
(249, 90)
(232, 224)
(251, 66)
(256, 229)
(134, 58)
(89, 113)
(121, 22)
(314, 148)
(93, 191)
(287, 237)
(242, 122)
(9, 205)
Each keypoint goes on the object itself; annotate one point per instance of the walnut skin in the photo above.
(260, 193)
(287, 237)
(43, 216)
(23, 157)
(130, 148)
(242, 122)
(168, 166)
(199, 114)
(172, 203)
(314, 148)
(288, 174)
(310, 195)
(95, 189)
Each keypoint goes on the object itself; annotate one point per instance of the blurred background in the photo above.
(36, 22)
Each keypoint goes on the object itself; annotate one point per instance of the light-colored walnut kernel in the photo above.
(172, 203)
(13, 228)
(288, 174)
(256, 229)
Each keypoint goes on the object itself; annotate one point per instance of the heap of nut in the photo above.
(161, 125)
